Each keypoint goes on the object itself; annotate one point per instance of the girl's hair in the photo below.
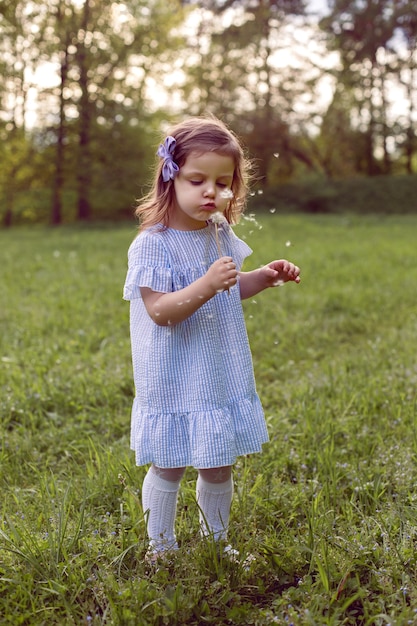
(197, 134)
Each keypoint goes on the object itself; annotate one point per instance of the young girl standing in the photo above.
(196, 403)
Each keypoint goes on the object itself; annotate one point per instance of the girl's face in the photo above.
(202, 187)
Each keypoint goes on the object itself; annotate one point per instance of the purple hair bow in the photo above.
(169, 169)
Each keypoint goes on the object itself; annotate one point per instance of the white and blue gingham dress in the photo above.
(196, 403)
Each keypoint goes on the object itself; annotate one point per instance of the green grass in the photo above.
(329, 509)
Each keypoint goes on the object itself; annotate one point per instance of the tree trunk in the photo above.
(84, 160)
(56, 213)
(409, 146)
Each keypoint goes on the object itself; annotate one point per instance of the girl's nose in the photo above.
(209, 191)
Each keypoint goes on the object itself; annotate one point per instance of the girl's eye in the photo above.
(222, 185)
(196, 182)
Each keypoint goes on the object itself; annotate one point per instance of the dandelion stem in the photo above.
(216, 230)
(219, 250)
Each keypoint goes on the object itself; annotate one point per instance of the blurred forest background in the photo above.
(325, 102)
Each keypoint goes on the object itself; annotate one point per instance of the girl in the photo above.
(196, 402)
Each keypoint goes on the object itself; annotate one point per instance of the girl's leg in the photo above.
(214, 498)
(159, 502)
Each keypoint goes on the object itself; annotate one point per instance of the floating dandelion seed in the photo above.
(260, 192)
(279, 283)
(227, 193)
(276, 155)
(288, 243)
(272, 210)
(252, 218)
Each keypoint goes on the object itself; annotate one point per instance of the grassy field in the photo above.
(329, 509)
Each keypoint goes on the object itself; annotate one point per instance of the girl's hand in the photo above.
(278, 272)
(222, 274)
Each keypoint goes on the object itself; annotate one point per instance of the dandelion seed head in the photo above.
(217, 218)
(278, 283)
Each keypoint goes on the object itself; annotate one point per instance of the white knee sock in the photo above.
(214, 501)
(159, 502)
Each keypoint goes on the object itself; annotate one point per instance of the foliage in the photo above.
(367, 36)
(328, 509)
(362, 195)
(86, 88)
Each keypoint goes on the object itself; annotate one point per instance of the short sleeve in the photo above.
(148, 266)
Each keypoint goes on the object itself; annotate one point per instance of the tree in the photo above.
(406, 23)
(232, 72)
(104, 57)
(363, 31)
(18, 45)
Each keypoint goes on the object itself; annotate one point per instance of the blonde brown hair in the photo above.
(196, 134)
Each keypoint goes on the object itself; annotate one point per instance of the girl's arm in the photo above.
(176, 306)
(272, 275)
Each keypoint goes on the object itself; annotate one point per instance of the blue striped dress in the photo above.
(196, 403)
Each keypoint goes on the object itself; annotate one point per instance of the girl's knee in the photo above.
(173, 474)
(216, 474)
